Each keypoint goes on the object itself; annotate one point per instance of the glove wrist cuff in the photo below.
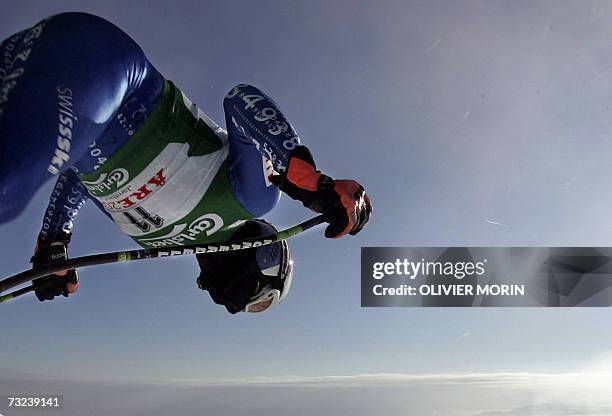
(303, 175)
(43, 243)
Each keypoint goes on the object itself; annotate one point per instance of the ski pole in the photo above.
(153, 253)
(19, 292)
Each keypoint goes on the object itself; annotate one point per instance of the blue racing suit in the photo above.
(74, 91)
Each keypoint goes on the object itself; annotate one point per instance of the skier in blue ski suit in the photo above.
(80, 102)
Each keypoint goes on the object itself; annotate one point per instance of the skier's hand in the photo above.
(344, 202)
(63, 283)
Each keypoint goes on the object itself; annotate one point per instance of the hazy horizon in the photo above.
(584, 392)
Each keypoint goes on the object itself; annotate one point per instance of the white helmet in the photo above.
(249, 280)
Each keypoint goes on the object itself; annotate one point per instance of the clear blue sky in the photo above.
(450, 113)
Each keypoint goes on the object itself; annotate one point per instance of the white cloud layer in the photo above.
(583, 392)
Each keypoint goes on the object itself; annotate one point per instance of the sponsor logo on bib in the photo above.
(182, 234)
(107, 182)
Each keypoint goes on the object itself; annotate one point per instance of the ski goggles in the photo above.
(281, 275)
(264, 301)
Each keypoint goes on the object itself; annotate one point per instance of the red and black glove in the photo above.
(344, 202)
(64, 283)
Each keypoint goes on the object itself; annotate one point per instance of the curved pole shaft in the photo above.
(123, 256)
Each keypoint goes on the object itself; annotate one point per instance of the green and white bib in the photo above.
(168, 184)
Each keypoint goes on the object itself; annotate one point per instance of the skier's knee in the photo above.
(75, 21)
(100, 32)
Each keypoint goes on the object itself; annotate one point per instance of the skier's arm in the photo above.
(66, 200)
(253, 116)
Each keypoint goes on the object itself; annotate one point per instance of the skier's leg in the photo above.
(61, 85)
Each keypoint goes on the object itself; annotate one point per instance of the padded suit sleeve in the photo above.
(66, 200)
(253, 117)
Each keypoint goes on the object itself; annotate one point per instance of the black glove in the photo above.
(48, 287)
(344, 202)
